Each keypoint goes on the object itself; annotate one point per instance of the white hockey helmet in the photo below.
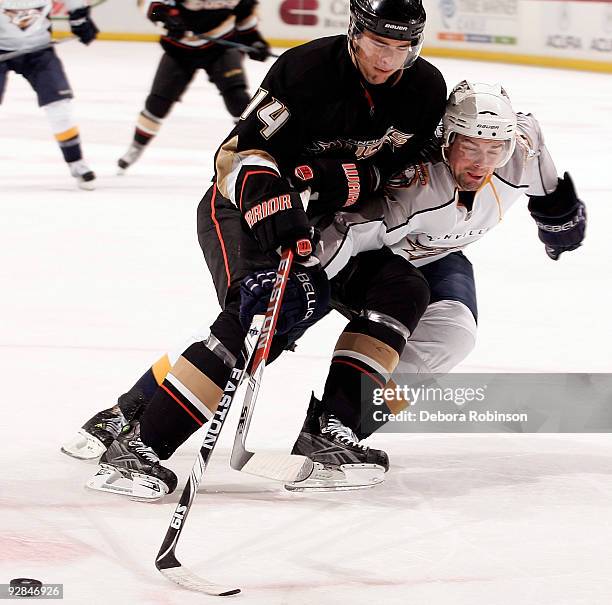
(481, 111)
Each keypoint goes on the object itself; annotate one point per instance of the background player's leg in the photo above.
(170, 82)
(45, 73)
(227, 74)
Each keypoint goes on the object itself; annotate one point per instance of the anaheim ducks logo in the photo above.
(362, 149)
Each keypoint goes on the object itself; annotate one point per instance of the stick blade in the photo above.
(283, 467)
(187, 579)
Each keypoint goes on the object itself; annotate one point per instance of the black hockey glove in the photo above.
(338, 183)
(560, 217)
(252, 37)
(281, 222)
(306, 298)
(170, 17)
(82, 26)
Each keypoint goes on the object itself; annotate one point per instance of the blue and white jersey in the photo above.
(25, 24)
(421, 216)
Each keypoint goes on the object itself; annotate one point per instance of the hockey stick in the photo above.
(222, 42)
(280, 467)
(18, 53)
(260, 335)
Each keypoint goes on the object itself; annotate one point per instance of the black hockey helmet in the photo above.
(395, 19)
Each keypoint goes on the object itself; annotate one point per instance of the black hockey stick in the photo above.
(14, 54)
(222, 42)
(259, 337)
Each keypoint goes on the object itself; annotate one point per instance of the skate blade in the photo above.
(121, 171)
(340, 478)
(84, 446)
(138, 487)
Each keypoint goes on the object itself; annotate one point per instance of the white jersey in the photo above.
(422, 219)
(25, 24)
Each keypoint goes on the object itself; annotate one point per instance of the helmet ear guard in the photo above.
(480, 111)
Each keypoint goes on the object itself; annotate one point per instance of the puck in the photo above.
(25, 582)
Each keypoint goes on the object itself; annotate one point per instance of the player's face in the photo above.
(379, 58)
(473, 160)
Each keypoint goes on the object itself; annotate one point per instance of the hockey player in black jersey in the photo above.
(185, 53)
(334, 117)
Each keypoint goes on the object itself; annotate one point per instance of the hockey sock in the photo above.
(147, 126)
(59, 115)
(133, 403)
(187, 398)
(364, 357)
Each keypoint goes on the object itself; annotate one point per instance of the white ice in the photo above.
(97, 284)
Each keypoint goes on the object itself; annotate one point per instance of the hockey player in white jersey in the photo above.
(489, 158)
(25, 27)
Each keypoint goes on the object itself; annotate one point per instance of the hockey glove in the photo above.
(560, 217)
(170, 17)
(252, 37)
(339, 183)
(281, 222)
(82, 26)
(306, 299)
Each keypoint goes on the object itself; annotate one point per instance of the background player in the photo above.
(489, 158)
(359, 106)
(185, 53)
(25, 26)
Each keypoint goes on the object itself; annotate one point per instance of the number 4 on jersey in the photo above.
(273, 115)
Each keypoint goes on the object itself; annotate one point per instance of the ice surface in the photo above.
(97, 284)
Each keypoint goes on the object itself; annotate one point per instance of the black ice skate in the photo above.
(131, 468)
(343, 462)
(85, 177)
(129, 157)
(94, 437)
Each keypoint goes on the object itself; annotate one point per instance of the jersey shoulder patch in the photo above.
(411, 175)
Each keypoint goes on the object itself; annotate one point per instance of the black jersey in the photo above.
(314, 102)
(214, 18)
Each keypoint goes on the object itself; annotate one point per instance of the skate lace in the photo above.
(342, 432)
(144, 451)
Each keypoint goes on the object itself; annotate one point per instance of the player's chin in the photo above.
(379, 76)
(470, 184)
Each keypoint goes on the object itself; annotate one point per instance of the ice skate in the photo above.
(129, 157)
(94, 437)
(84, 176)
(343, 462)
(131, 468)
